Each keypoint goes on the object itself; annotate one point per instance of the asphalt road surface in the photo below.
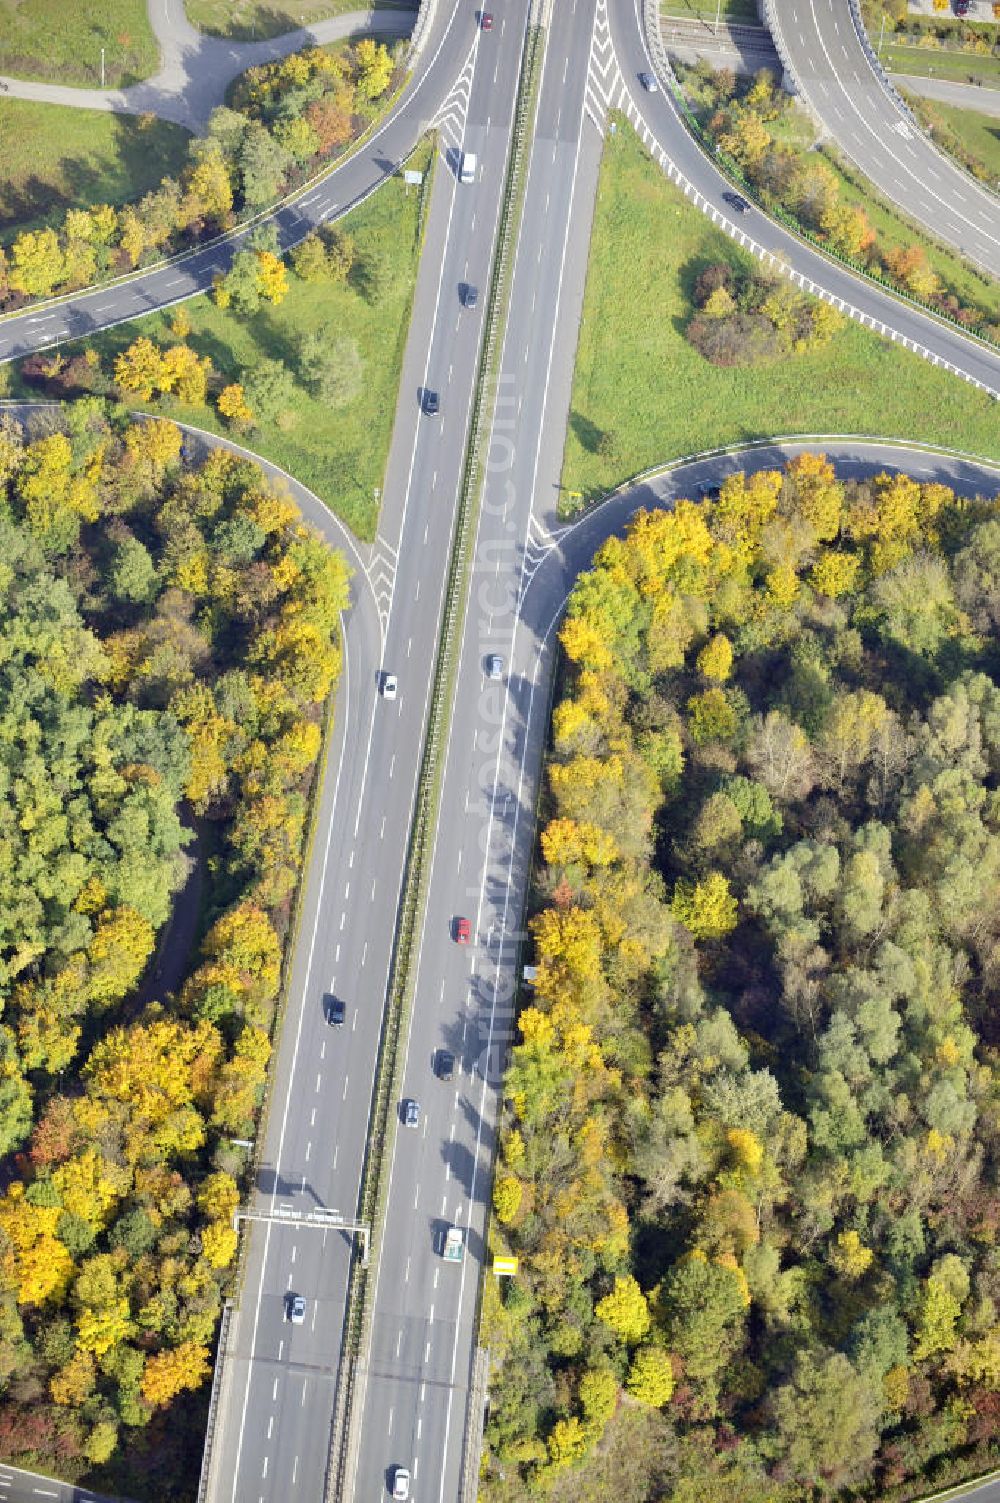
(834, 74)
(278, 1388)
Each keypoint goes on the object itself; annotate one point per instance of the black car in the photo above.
(470, 295)
(735, 201)
(445, 1064)
(336, 1011)
(431, 403)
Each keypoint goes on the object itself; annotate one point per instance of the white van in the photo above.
(467, 167)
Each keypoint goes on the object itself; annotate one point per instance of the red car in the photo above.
(486, 20)
(463, 931)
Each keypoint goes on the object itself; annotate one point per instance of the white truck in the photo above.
(467, 167)
(453, 1248)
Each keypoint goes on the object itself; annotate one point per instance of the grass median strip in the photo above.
(642, 394)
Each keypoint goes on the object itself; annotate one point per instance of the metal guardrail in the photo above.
(472, 1444)
(875, 63)
(205, 1476)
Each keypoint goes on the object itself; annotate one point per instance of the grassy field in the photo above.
(639, 380)
(341, 454)
(934, 62)
(56, 158)
(980, 134)
(732, 10)
(249, 20)
(61, 40)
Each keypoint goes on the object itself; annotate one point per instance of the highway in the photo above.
(414, 1410)
(424, 1328)
(868, 123)
(279, 1378)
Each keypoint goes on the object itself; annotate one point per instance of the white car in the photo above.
(390, 686)
(401, 1484)
(494, 666)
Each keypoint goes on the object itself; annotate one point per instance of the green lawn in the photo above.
(732, 10)
(928, 62)
(639, 380)
(341, 455)
(56, 158)
(61, 40)
(980, 134)
(249, 20)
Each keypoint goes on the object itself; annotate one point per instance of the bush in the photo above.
(743, 339)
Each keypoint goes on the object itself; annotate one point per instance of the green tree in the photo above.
(269, 388)
(826, 1423)
(331, 365)
(133, 572)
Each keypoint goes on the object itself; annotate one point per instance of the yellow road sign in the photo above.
(505, 1267)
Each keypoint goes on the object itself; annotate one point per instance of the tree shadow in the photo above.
(588, 434)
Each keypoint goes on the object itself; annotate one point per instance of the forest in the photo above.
(170, 633)
(749, 1147)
